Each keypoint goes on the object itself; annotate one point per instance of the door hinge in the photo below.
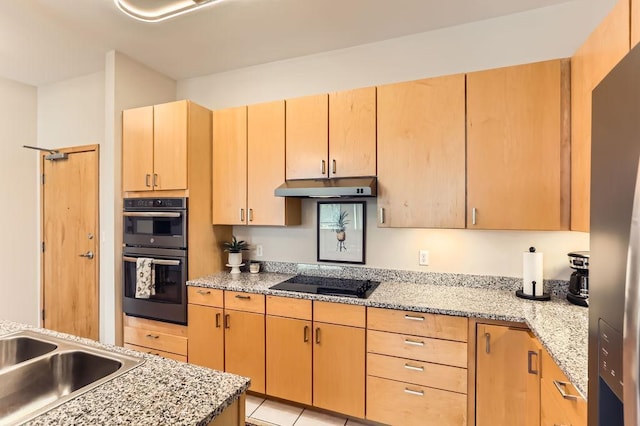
(43, 315)
(43, 246)
(43, 178)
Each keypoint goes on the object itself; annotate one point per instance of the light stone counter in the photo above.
(561, 327)
(158, 392)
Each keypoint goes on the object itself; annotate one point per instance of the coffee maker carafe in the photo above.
(579, 280)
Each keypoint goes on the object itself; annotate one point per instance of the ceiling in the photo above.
(44, 41)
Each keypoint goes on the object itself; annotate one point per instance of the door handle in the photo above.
(88, 254)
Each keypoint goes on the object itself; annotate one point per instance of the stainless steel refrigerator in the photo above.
(615, 247)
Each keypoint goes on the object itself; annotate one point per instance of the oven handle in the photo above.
(152, 214)
(156, 261)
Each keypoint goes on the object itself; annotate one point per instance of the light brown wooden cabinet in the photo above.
(154, 147)
(156, 337)
(331, 135)
(507, 376)
(421, 153)
(560, 402)
(517, 147)
(248, 164)
(205, 329)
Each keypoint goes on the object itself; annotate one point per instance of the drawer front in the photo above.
(340, 314)
(247, 302)
(419, 348)
(289, 307)
(398, 403)
(155, 340)
(164, 354)
(418, 324)
(554, 407)
(418, 372)
(206, 296)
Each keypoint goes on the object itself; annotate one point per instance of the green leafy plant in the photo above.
(235, 246)
(341, 221)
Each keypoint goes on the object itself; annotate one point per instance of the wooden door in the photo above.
(70, 291)
(244, 347)
(421, 153)
(339, 368)
(352, 133)
(307, 131)
(265, 167)
(137, 149)
(506, 391)
(514, 158)
(289, 359)
(230, 166)
(170, 145)
(206, 337)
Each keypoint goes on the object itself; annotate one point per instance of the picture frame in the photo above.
(341, 231)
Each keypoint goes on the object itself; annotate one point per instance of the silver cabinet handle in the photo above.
(218, 315)
(530, 369)
(413, 367)
(414, 318)
(333, 166)
(250, 215)
(241, 215)
(323, 168)
(243, 297)
(487, 342)
(154, 261)
(413, 342)
(88, 255)
(560, 386)
(318, 335)
(413, 392)
(155, 180)
(146, 180)
(473, 216)
(381, 218)
(306, 334)
(151, 214)
(203, 292)
(227, 321)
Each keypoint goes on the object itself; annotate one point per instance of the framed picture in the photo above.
(341, 231)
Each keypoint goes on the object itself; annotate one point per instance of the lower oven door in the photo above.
(168, 299)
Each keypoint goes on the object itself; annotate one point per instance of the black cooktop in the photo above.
(329, 286)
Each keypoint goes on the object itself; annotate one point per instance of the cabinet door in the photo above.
(265, 167)
(556, 408)
(206, 337)
(352, 133)
(339, 368)
(514, 148)
(289, 359)
(421, 153)
(307, 137)
(137, 149)
(244, 347)
(170, 145)
(507, 379)
(230, 166)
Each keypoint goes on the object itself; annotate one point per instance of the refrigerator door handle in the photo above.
(630, 348)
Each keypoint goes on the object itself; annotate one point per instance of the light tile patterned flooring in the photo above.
(275, 413)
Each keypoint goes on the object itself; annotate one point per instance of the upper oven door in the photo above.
(166, 229)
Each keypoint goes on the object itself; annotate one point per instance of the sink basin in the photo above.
(17, 349)
(35, 384)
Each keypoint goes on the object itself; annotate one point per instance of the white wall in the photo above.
(19, 289)
(546, 33)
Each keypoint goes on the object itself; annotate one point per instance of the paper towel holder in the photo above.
(520, 293)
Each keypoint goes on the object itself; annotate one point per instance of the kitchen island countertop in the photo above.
(159, 391)
(561, 327)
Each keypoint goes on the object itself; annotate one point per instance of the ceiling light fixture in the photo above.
(160, 10)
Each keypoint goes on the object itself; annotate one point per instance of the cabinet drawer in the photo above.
(340, 313)
(398, 403)
(169, 355)
(438, 351)
(418, 324)
(418, 372)
(556, 409)
(155, 340)
(206, 296)
(247, 302)
(289, 307)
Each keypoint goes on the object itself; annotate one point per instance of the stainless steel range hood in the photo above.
(328, 188)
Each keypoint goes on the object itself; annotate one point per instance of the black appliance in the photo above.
(614, 262)
(579, 280)
(329, 286)
(156, 229)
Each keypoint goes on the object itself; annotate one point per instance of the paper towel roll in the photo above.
(532, 271)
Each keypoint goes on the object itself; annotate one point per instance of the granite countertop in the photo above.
(159, 391)
(561, 327)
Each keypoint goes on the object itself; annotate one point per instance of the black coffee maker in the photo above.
(579, 280)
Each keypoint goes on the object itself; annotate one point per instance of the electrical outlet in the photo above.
(423, 257)
(258, 250)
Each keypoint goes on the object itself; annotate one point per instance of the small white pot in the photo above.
(235, 258)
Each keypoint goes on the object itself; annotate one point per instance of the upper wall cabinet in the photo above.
(154, 147)
(590, 64)
(331, 135)
(421, 153)
(517, 147)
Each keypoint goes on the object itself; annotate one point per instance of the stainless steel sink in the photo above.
(17, 349)
(35, 384)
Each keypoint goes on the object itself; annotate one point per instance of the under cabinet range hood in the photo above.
(328, 188)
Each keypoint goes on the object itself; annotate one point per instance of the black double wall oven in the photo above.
(155, 238)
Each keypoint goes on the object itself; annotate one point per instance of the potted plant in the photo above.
(340, 228)
(235, 248)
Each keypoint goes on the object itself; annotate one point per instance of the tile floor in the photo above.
(275, 413)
